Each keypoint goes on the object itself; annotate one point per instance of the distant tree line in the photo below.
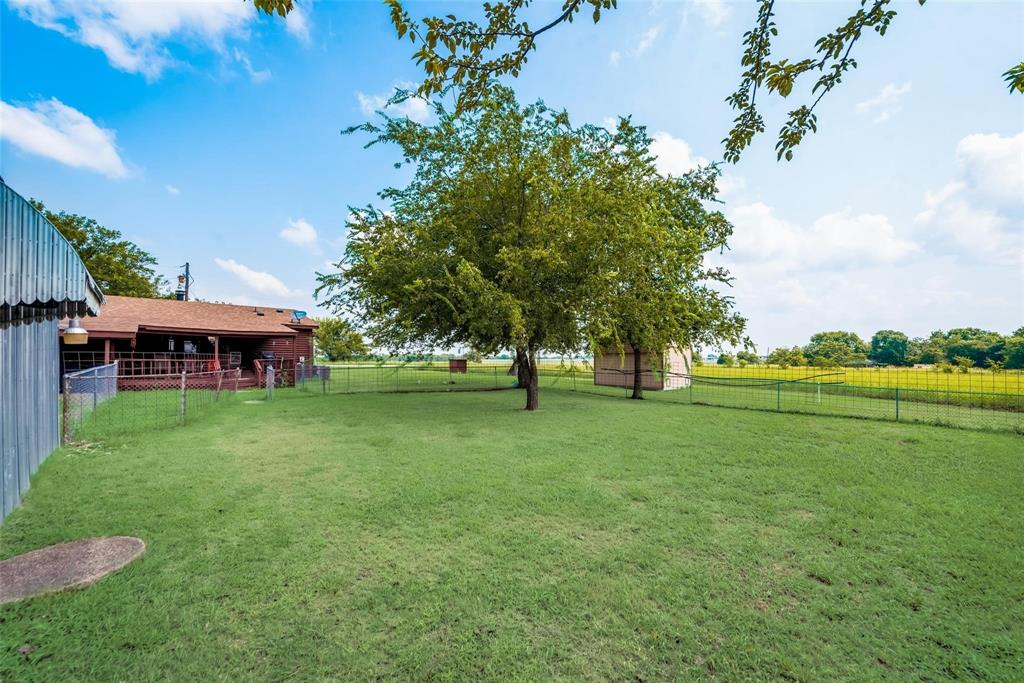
(962, 348)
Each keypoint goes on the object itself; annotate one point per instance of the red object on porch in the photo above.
(457, 365)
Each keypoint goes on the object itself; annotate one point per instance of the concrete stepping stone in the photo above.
(67, 565)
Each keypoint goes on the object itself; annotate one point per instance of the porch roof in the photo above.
(122, 316)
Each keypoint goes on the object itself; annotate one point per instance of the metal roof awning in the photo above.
(41, 275)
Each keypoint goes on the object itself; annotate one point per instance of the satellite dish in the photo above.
(298, 315)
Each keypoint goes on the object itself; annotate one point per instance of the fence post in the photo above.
(897, 404)
(181, 412)
(348, 378)
(690, 384)
(66, 431)
(778, 396)
(95, 376)
(270, 383)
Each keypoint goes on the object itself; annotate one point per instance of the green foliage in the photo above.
(271, 7)
(889, 347)
(834, 349)
(337, 339)
(748, 358)
(469, 53)
(727, 359)
(490, 245)
(1013, 351)
(963, 363)
(522, 232)
(654, 289)
(120, 267)
(787, 357)
(1014, 78)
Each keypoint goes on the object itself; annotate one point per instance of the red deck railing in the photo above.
(153, 363)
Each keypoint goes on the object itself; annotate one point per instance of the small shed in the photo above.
(42, 279)
(457, 365)
(670, 370)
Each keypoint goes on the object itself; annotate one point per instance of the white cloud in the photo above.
(262, 282)
(299, 232)
(730, 184)
(134, 35)
(980, 214)
(836, 240)
(414, 108)
(255, 75)
(643, 43)
(52, 129)
(887, 102)
(674, 155)
(171, 189)
(297, 23)
(994, 165)
(712, 12)
(647, 40)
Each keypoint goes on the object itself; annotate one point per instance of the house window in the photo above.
(170, 343)
(190, 347)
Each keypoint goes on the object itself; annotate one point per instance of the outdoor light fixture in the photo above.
(75, 333)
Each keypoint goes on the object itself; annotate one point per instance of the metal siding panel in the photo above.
(39, 266)
(28, 405)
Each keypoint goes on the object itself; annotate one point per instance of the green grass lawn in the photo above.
(454, 536)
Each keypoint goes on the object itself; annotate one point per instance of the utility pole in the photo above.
(183, 283)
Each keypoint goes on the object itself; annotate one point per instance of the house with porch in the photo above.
(157, 337)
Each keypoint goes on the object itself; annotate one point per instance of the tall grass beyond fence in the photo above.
(794, 390)
(100, 402)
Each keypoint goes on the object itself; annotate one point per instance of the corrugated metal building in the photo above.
(42, 280)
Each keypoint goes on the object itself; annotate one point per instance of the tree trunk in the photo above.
(528, 379)
(638, 374)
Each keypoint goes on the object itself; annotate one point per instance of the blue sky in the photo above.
(209, 134)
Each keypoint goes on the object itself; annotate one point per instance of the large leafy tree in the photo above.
(889, 347)
(119, 266)
(656, 290)
(831, 349)
(490, 245)
(337, 339)
(454, 50)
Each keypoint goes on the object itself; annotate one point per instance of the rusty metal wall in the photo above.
(29, 431)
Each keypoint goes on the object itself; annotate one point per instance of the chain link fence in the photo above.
(864, 394)
(100, 402)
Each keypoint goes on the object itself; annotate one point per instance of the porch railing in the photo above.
(153, 362)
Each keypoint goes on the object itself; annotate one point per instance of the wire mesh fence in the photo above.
(100, 402)
(899, 396)
(344, 379)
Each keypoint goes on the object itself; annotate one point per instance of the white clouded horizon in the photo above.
(55, 130)
(260, 281)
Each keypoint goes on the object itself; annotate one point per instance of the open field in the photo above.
(454, 536)
(824, 394)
